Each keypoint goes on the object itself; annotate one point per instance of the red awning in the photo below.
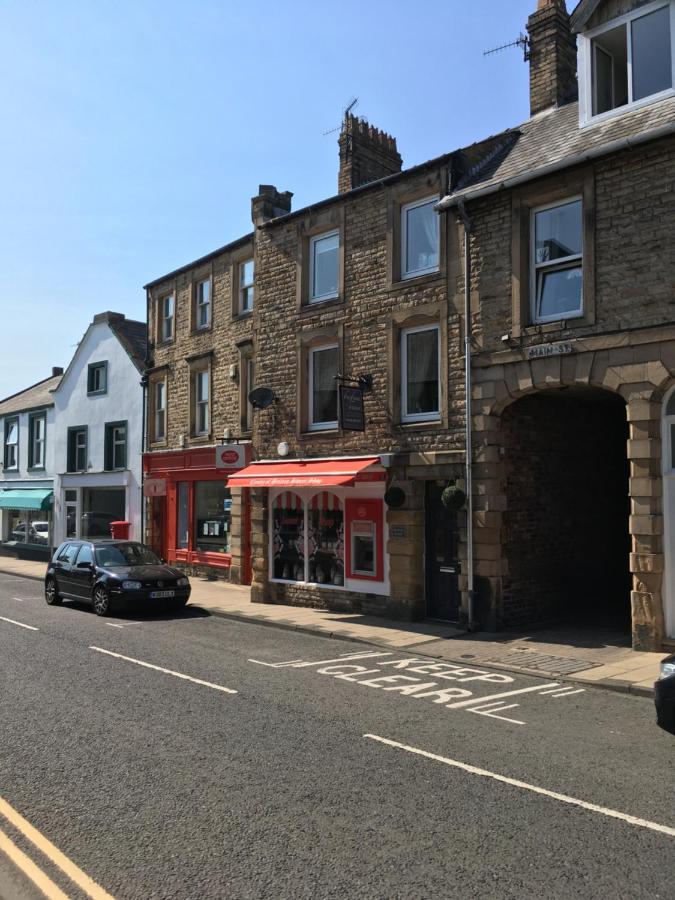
(307, 473)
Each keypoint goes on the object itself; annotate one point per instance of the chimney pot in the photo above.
(366, 154)
(553, 57)
(269, 204)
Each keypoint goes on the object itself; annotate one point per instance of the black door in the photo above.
(442, 566)
(82, 573)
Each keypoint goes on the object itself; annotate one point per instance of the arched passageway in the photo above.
(566, 526)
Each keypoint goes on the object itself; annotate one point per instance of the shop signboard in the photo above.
(154, 487)
(232, 456)
(351, 412)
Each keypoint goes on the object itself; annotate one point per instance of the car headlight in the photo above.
(183, 582)
(131, 585)
(667, 669)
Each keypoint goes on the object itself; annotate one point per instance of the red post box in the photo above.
(120, 530)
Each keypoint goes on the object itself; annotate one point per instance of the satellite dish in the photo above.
(261, 398)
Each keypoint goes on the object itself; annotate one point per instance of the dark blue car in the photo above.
(664, 695)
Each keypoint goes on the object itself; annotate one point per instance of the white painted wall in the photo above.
(123, 401)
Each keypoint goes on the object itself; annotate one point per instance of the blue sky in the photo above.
(135, 132)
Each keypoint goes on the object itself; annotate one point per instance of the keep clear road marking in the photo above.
(147, 665)
(20, 624)
(563, 798)
(76, 875)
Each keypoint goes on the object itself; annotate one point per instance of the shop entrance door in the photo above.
(442, 565)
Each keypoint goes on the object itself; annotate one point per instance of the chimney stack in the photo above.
(553, 57)
(269, 204)
(56, 370)
(366, 154)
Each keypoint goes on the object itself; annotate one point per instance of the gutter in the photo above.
(566, 163)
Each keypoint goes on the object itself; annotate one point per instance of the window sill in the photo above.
(97, 393)
(40, 470)
(197, 439)
(417, 280)
(205, 330)
(321, 432)
(167, 342)
(431, 424)
(308, 307)
(242, 314)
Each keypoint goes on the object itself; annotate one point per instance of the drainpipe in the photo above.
(468, 446)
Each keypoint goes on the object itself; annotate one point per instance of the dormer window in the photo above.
(629, 62)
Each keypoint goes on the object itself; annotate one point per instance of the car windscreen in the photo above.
(126, 555)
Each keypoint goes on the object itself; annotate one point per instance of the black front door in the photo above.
(442, 566)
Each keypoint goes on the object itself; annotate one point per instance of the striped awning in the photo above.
(309, 473)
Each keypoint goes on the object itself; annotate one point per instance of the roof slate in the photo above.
(35, 397)
(554, 138)
(133, 336)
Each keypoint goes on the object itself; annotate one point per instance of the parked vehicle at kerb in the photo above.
(110, 573)
(664, 695)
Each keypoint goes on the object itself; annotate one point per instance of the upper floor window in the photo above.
(246, 286)
(201, 392)
(159, 399)
(323, 394)
(557, 262)
(324, 266)
(97, 378)
(419, 238)
(203, 304)
(11, 460)
(77, 449)
(37, 441)
(166, 315)
(631, 59)
(115, 445)
(420, 374)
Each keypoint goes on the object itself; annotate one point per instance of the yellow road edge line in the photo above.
(76, 875)
(563, 798)
(26, 865)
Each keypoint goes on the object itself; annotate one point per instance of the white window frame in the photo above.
(38, 442)
(202, 307)
(405, 209)
(9, 425)
(311, 424)
(433, 416)
(246, 288)
(562, 263)
(159, 434)
(168, 299)
(585, 64)
(118, 439)
(330, 295)
(203, 403)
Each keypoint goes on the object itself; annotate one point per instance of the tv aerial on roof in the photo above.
(345, 112)
(522, 41)
(261, 398)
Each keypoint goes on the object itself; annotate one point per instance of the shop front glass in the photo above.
(101, 507)
(213, 517)
(27, 526)
(325, 522)
(288, 538)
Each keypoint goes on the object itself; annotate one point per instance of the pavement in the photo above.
(187, 755)
(595, 657)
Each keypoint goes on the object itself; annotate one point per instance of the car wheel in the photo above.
(52, 595)
(101, 601)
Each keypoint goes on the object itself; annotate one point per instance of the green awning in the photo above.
(26, 499)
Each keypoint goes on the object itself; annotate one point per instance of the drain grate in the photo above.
(542, 662)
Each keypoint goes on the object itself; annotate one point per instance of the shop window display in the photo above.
(288, 538)
(325, 521)
(213, 515)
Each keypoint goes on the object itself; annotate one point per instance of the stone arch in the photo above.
(641, 376)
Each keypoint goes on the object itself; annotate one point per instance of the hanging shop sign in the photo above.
(351, 413)
(232, 456)
(154, 487)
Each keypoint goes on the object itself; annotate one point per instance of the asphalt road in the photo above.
(318, 778)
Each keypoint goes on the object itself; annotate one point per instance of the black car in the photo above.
(107, 573)
(664, 695)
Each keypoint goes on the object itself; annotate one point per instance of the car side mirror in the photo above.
(84, 565)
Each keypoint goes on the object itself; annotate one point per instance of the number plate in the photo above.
(160, 595)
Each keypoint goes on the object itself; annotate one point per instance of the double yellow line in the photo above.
(32, 871)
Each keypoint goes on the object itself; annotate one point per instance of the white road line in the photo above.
(491, 711)
(527, 690)
(569, 693)
(113, 625)
(139, 662)
(18, 599)
(514, 782)
(300, 664)
(20, 624)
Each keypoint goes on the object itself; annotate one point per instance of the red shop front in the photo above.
(193, 517)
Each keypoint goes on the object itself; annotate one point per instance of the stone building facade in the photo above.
(574, 507)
